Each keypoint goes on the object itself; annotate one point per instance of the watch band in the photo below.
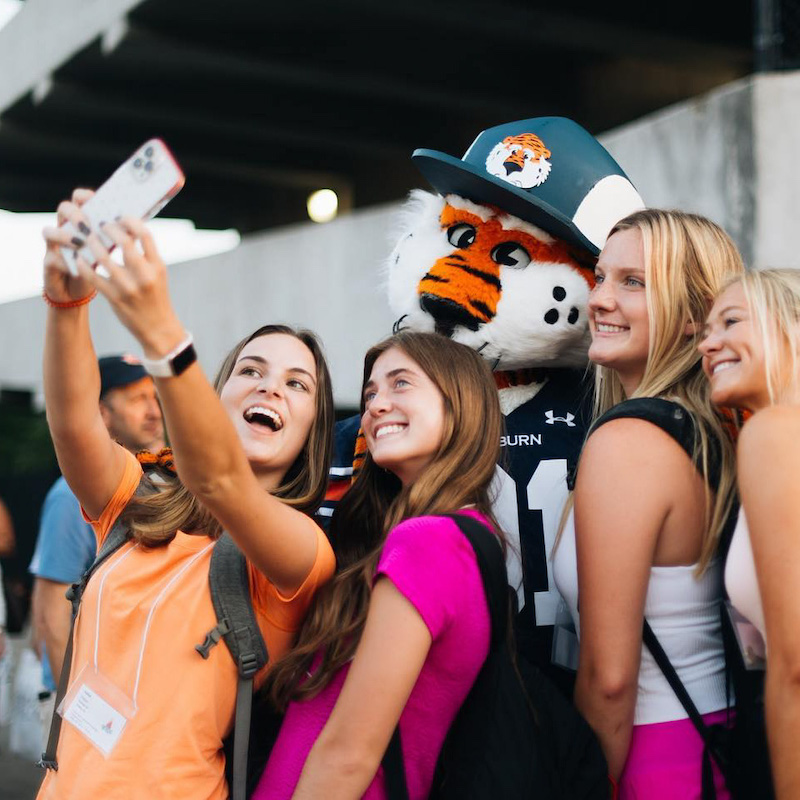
(174, 362)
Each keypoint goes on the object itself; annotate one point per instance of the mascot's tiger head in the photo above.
(502, 258)
(491, 281)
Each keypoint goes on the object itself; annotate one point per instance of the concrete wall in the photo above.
(731, 155)
(697, 156)
(776, 111)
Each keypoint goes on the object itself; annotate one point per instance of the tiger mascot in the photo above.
(502, 260)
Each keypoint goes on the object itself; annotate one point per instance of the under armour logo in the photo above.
(552, 419)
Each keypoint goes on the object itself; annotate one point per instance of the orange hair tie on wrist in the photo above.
(161, 459)
(69, 303)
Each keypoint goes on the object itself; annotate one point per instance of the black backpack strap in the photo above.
(665, 665)
(115, 538)
(668, 415)
(237, 625)
(492, 566)
(706, 734)
(394, 771)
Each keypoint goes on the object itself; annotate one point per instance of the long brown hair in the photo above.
(459, 475)
(154, 519)
(687, 259)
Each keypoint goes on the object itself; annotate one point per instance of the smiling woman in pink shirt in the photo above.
(402, 631)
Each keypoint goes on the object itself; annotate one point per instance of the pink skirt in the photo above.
(665, 762)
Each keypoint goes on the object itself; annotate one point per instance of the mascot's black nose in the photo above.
(512, 166)
(447, 314)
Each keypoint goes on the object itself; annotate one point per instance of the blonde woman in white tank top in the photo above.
(646, 523)
(750, 355)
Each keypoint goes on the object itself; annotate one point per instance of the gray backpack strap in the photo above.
(237, 625)
(115, 538)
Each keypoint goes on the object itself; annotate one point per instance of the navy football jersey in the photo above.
(541, 445)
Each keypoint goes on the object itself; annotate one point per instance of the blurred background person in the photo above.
(66, 545)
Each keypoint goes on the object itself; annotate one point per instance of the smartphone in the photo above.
(140, 187)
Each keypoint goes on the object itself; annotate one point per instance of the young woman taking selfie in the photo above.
(251, 459)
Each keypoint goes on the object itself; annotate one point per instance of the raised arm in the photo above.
(90, 460)
(388, 661)
(209, 458)
(622, 498)
(768, 466)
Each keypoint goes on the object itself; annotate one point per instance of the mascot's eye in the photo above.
(461, 235)
(511, 254)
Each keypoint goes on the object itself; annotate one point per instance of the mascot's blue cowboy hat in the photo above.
(548, 171)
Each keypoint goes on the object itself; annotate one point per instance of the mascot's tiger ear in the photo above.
(548, 171)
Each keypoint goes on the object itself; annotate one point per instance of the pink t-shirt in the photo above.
(431, 562)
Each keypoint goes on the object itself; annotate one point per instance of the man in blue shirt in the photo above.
(66, 544)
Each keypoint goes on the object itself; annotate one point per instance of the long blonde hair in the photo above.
(459, 475)
(154, 519)
(773, 297)
(687, 259)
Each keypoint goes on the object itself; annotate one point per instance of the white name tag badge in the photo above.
(97, 709)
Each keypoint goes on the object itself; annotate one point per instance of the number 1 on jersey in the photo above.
(546, 492)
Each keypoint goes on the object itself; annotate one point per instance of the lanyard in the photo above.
(176, 575)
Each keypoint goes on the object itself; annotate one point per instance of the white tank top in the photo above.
(684, 613)
(741, 580)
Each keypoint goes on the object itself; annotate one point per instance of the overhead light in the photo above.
(322, 205)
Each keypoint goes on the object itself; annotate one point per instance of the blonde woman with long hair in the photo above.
(251, 459)
(750, 355)
(653, 493)
(402, 631)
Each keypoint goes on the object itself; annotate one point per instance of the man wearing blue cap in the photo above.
(66, 544)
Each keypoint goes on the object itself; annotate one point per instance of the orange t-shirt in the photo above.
(171, 747)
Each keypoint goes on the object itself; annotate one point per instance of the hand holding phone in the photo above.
(139, 188)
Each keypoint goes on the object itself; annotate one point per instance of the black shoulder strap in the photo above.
(710, 743)
(665, 665)
(237, 625)
(492, 566)
(394, 771)
(115, 538)
(668, 415)
(671, 417)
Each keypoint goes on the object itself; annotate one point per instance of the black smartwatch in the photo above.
(173, 363)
